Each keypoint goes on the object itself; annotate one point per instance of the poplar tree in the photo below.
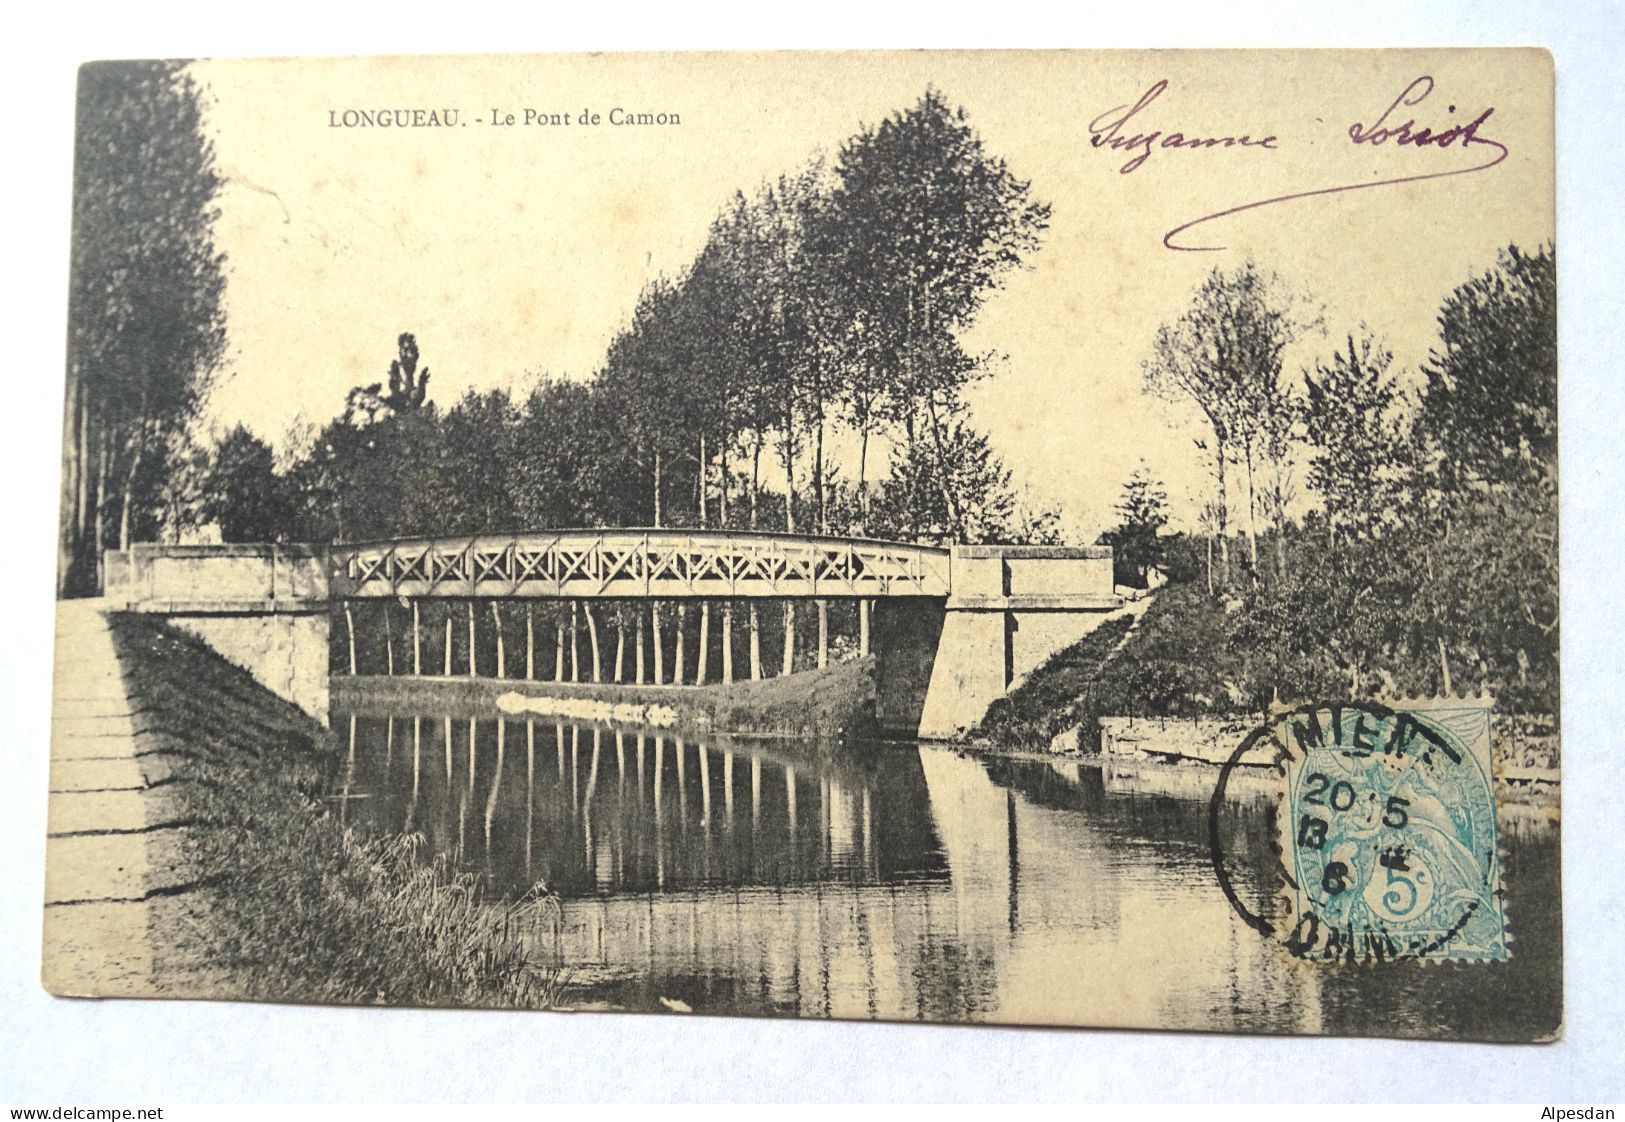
(146, 318)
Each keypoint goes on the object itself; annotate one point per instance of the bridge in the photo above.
(640, 564)
(951, 629)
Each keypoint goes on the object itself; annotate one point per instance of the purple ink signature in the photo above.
(1107, 131)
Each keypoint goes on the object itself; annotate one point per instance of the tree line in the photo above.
(828, 300)
(1397, 529)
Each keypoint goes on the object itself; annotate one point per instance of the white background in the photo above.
(148, 1053)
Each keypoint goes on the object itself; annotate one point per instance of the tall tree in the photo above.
(563, 470)
(408, 388)
(988, 510)
(644, 372)
(1224, 354)
(469, 491)
(146, 315)
(1489, 419)
(1490, 406)
(1356, 428)
(183, 492)
(928, 223)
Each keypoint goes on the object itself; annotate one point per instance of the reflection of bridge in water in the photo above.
(589, 809)
(758, 876)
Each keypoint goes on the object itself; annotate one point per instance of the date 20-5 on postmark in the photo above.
(1388, 832)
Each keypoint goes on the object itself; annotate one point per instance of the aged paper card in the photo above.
(1039, 537)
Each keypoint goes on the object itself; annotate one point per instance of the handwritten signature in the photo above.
(1107, 131)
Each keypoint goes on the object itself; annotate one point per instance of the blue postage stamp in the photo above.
(1388, 832)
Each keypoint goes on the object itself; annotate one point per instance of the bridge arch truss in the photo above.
(639, 564)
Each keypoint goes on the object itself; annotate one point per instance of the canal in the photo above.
(905, 883)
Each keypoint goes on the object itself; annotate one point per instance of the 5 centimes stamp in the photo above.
(1388, 832)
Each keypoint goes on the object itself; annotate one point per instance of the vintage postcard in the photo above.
(1036, 537)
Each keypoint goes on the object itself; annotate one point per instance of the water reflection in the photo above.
(770, 877)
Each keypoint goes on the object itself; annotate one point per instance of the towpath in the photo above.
(103, 871)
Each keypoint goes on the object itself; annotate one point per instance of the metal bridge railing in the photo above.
(642, 564)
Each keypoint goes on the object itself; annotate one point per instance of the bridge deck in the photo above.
(640, 564)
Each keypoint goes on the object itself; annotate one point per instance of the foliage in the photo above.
(833, 300)
(807, 309)
(1142, 512)
(407, 388)
(1354, 421)
(244, 494)
(1052, 697)
(1490, 407)
(924, 222)
(914, 501)
(1224, 355)
(1431, 566)
(1181, 660)
(146, 322)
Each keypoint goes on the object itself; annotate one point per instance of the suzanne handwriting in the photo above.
(1105, 131)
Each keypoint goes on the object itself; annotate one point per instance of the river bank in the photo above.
(1165, 692)
(283, 902)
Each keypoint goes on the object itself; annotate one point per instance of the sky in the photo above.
(515, 250)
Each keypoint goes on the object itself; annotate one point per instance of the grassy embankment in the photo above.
(1190, 657)
(1066, 691)
(296, 907)
(1187, 658)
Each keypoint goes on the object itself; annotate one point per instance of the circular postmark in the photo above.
(1385, 832)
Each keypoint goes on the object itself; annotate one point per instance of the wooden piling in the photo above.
(349, 629)
(705, 642)
(654, 637)
(502, 659)
(620, 645)
(575, 647)
(417, 643)
(558, 649)
(727, 644)
(789, 637)
(389, 643)
(677, 659)
(592, 639)
(638, 645)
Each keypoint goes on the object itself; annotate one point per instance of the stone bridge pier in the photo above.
(940, 663)
(262, 607)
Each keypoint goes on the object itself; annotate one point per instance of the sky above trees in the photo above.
(511, 252)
